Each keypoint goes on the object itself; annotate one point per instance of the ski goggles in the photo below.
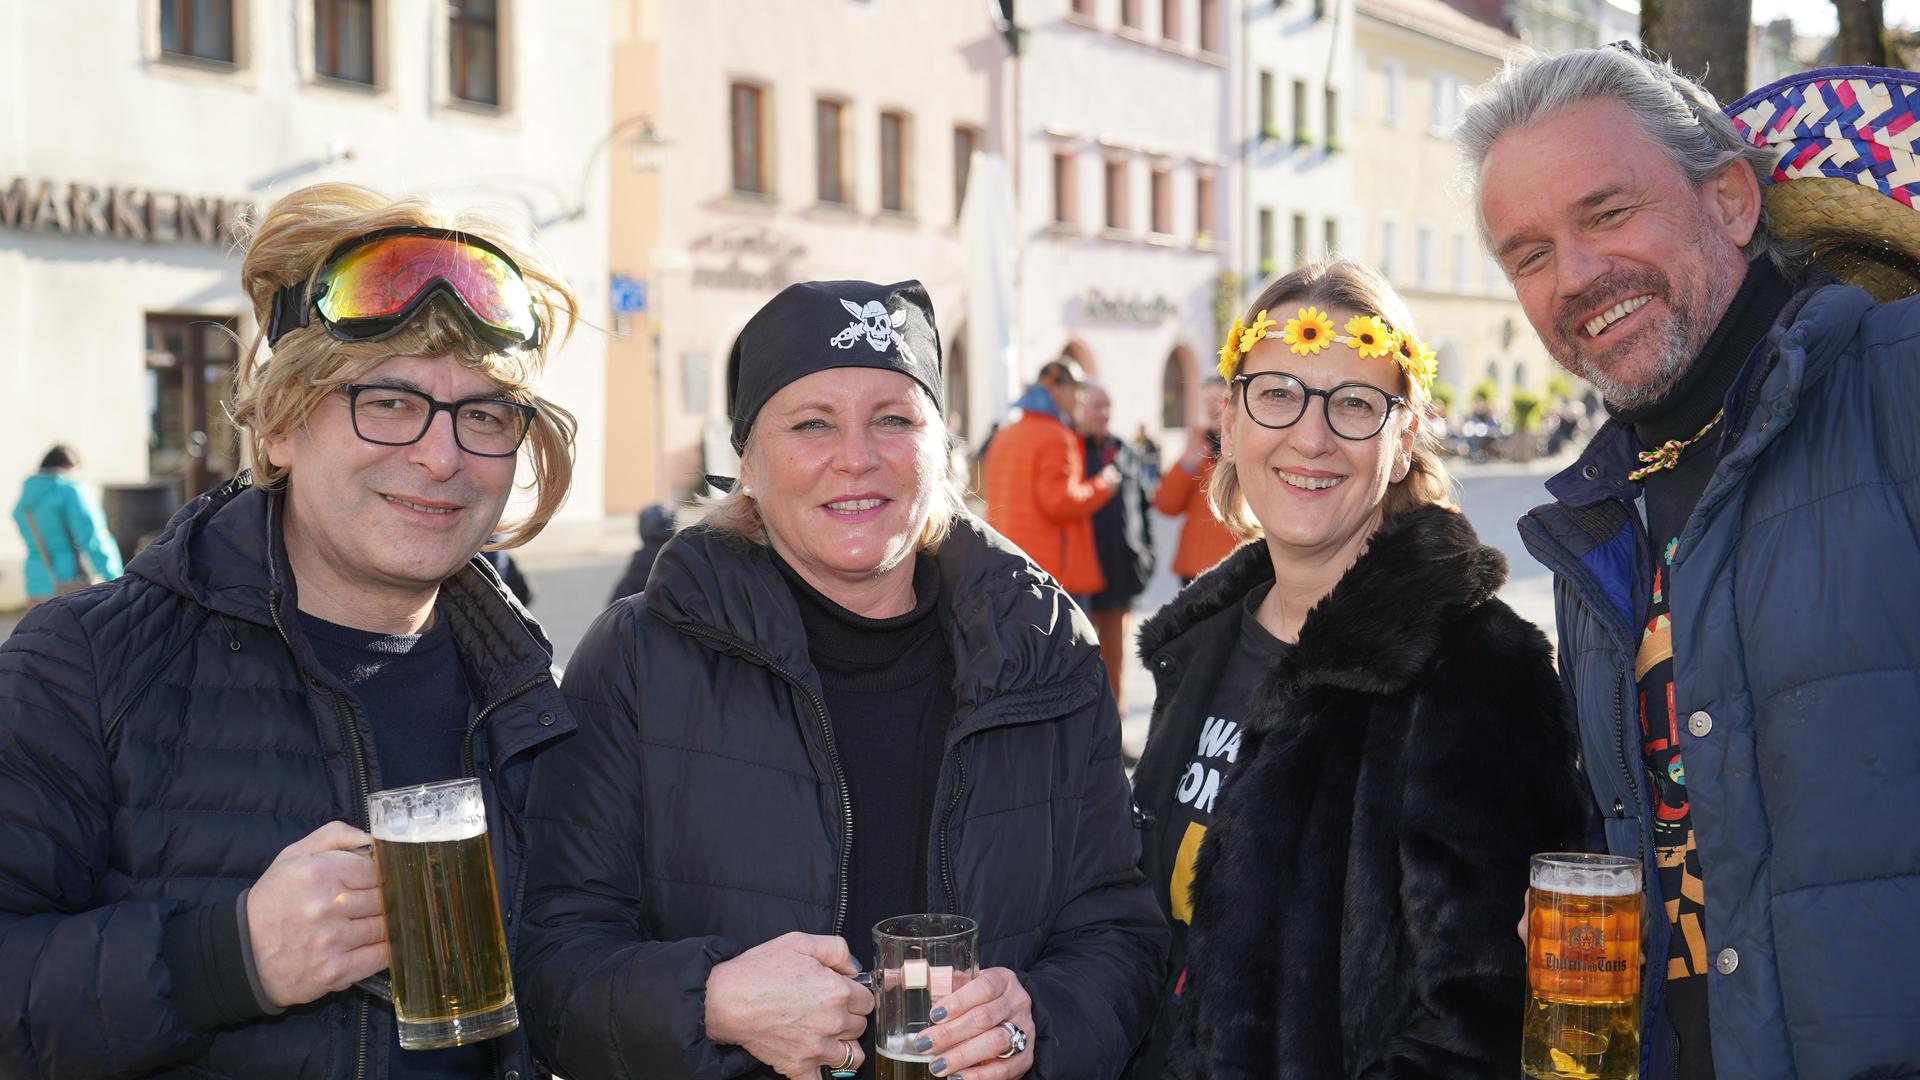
(372, 286)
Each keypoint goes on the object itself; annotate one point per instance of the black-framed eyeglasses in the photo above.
(1355, 411)
(397, 416)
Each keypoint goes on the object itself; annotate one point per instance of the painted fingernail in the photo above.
(939, 1066)
(939, 1014)
(922, 1045)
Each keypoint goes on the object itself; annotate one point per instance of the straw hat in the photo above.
(1845, 177)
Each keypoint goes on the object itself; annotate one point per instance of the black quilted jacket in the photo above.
(698, 812)
(162, 738)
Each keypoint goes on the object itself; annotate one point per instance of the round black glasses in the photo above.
(397, 416)
(1355, 411)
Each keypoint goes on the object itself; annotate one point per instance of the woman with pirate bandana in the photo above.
(1355, 746)
(840, 698)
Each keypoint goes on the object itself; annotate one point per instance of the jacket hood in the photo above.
(224, 551)
(1384, 619)
(1015, 638)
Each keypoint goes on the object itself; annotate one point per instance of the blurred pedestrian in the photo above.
(186, 752)
(1122, 531)
(68, 546)
(1035, 483)
(1149, 454)
(656, 528)
(1183, 493)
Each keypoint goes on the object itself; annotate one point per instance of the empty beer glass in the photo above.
(1583, 968)
(918, 960)
(451, 983)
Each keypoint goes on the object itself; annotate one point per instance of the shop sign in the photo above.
(751, 257)
(123, 213)
(1135, 309)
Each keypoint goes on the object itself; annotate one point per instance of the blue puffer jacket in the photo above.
(162, 738)
(1796, 636)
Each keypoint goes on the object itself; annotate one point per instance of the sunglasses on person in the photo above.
(373, 285)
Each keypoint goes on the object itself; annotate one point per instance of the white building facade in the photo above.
(140, 131)
(1123, 178)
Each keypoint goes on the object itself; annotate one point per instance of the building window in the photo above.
(1063, 201)
(1333, 119)
(1204, 208)
(1265, 243)
(202, 29)
(1442, 105)
(1161, 191)
(1300, 134)
(190, 363)
(1389, 248)
(1116, 182)
(1333, 238)
(1300, 255)
(1170, 21)
(1424, 269)
(830, 151)
(1390, 93)
(1459, 263)
(749, 140)
(474, 33)
(1130, 14)
(1210, 26)
(896, 133)
(1269, 125)
(343, 40)
(1083, 8)
(965, 141)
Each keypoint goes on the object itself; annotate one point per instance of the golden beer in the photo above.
(1583, 968)
(451, 982)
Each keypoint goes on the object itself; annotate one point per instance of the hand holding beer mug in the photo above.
(934, 1007)
(451, 984)
(1583, 968)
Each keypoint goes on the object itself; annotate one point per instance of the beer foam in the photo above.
(398, 828)
(1585, 875)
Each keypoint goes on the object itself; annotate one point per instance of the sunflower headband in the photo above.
(1312, 333)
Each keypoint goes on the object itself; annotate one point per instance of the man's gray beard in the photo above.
(1676, 353)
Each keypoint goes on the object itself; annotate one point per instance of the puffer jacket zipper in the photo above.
(946, 820)
(357, 755)
(826, 730)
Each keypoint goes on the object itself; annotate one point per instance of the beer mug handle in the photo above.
(379, 985)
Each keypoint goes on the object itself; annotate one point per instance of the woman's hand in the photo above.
(969, 1039)
(791, 1003)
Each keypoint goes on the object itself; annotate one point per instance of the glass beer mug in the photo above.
(451, 983)
(918, 960)
(1583, 968)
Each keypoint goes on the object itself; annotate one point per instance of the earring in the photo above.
(1229, 453)
(747, 490)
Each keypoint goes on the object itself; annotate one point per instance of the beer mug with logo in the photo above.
(1583, 968)
(918, 960)
(451, 983)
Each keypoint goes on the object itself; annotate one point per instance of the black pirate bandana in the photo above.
(817, 325)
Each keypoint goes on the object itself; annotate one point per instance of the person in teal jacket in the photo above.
(62, 525)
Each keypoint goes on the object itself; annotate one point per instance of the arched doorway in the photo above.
(1176, 382)
(1082, 355)
(957, 383)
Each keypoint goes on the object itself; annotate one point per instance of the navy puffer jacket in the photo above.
(162, 738)
(1796, 652)
(700, 810)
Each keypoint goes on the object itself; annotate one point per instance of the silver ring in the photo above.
(1016, 1039)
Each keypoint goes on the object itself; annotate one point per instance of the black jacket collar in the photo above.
(1381, 624)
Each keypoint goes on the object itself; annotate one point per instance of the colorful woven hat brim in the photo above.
(1845, 179)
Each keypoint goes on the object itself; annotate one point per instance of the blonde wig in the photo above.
(276, 390)
(1341, 283)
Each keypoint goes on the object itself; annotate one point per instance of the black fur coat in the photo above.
(1355, 900)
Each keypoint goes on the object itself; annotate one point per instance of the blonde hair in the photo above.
(738, 513)
(274, 394)
(1359, 288)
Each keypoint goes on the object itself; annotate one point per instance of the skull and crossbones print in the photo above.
(873, 322)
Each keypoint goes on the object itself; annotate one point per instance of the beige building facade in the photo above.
(1415, 59)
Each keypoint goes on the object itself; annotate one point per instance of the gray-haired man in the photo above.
(1735, 554)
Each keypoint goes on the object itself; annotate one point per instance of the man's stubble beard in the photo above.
(1692, 316)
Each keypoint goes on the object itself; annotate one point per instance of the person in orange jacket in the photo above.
(1183, 492)
(1035, 486)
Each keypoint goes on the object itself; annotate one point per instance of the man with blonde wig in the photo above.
(186, 752)
(1735, 553)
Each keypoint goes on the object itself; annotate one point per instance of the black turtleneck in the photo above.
(1670, 496)
(889, 697)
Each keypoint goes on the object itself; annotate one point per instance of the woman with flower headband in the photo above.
(1355, 745)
